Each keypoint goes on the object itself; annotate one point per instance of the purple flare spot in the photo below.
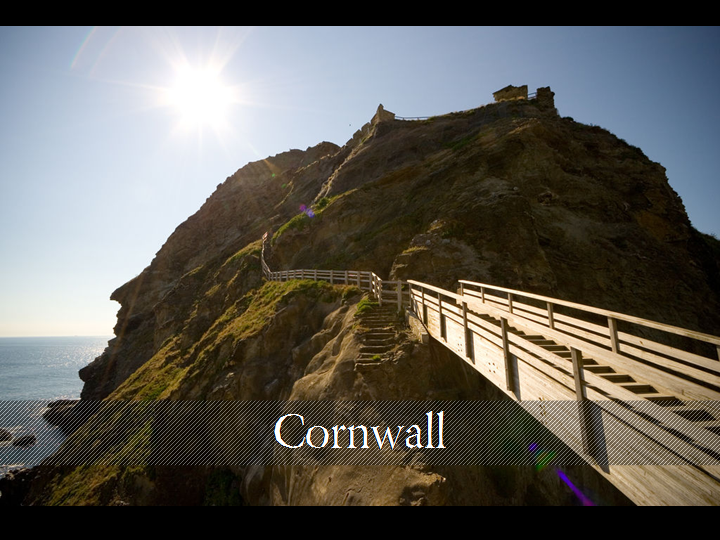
(580, 495)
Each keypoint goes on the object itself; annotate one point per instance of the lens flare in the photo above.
(580, 495)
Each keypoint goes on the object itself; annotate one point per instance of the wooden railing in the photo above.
(629, 350)
(386, 292)
(659, 403)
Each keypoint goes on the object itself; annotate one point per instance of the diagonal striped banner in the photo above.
(240, 433)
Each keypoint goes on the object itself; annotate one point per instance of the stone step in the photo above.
(379, 342)
(375, 349)
(366, 366)
(365, 357)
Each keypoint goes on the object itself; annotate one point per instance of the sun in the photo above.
(199, 97)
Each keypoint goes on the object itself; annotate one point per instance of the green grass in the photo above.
(301, 221)
(365, 305)
(460, 143)
(297, 223)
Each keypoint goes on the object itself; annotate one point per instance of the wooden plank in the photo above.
(602, 331)
(437, 290)
(589, 336)
(674, 366)
(700, 361)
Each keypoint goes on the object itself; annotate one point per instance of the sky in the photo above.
(110, 137)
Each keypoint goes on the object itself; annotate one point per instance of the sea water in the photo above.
(35, 371)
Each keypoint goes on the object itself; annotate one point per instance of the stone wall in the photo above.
(546, 98)
(511, 92)
(382, 115)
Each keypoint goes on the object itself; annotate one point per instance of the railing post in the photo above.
(551, 315)
(346, 278)
(614, 343)
(581, 396)
(424, 306)
(577, 363)
(399, 295)
(440, 316)
(469, 348)
(358, 280)
(315, 274)
(482, 294)
(509, 378)
(331, 277)
(510, 299)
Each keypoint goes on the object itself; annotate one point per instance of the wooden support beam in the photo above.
(578, 374)
(551, 315)
(614, 342)
(581, 396)
(509, 378)
(440, 315)
(469, 350)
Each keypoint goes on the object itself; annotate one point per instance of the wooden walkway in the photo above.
(647, 394)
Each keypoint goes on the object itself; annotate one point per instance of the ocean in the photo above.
(33, 372)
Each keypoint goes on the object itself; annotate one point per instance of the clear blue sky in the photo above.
(98, 164)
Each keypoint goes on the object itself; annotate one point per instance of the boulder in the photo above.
(25, 440)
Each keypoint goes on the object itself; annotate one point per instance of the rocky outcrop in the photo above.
(24, 441)
(15, 485)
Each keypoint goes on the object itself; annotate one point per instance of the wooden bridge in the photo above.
(646, 394)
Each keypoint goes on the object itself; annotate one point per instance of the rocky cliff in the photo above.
(510, 193)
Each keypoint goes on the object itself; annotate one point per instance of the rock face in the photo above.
(510, 194)
(14, 486)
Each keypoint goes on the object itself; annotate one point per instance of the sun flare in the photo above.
(200, 97)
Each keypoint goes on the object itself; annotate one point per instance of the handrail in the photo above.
(715, 340)
(412, 117)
